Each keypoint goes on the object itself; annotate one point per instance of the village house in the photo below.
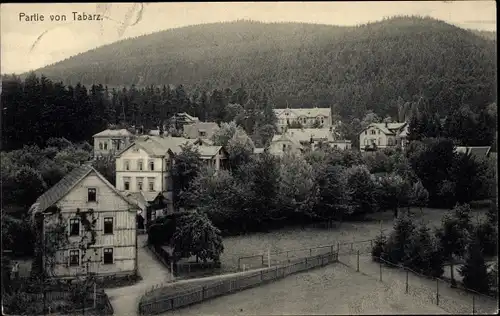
(383, 135)
(476, 151)
(315, 138)
(84, 196)
(307, 118)
(203, 130)
(111, 141)
(143, 170)
(283, 143)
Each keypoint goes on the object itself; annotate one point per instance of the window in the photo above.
(139, 165)
(127, 165)
(373, 132)
(91, 194)
(100, 146)
(74, 227)
(108, 225)
(378, 132)
(139, 184)
(108, 255)
(118, 145)
(151, 184)
(105, 146)
(151, 165)
(366, 132)
(126, 184)
(74, 257)
(284, 147)
(379, 140)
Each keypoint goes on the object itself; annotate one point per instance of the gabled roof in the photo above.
(157, 146)
(478, 151)
(388, 129)
(114, 133)
(65, 185)
(307, 112)
(191, 130)
(206, 152)
(285, 137)
(305, 134)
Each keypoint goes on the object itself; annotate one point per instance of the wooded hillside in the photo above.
(353, 69)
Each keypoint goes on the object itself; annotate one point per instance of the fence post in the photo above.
(331, 248)
(380, 270)
(357, 268)
(473, 303)
(437, 291)
(261, 274)
(262, 259)
(406, 281)
(239, 267)
(202, 293)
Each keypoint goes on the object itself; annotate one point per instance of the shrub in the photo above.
(378, 247)
(475, 271)
(399, 238)
(422, 253)
(487, 237)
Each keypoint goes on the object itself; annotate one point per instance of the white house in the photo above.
(84, 196)
(284, 143)
(111, 141)
(143, 169)
(383, 135)
(322, 117)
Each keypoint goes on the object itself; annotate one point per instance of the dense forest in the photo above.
(352, 69)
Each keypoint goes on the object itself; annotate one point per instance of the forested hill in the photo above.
(353, 69)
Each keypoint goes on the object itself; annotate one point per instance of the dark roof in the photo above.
(62, 187)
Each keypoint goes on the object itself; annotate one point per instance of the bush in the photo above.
(422, 253)
(378, 247)
(487, 238)
(475, 271)
(398, 239)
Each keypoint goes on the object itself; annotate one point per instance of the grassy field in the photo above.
(305, 238)
(333, 290)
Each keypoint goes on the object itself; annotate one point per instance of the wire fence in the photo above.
(429, 290)
(271, 258)
(201, 293)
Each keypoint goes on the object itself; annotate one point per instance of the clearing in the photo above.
(332, 290)
(304, 238)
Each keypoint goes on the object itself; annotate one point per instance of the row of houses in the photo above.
(144, 183)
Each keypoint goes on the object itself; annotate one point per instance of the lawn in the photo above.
(305, 238)
(332, 290)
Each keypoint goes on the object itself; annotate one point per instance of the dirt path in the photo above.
(126, 299)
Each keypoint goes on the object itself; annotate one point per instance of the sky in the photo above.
(31, 44)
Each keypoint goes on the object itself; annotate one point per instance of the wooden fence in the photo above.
(238, 283)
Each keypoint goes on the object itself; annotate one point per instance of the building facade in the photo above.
(383, 135)
(111, 141)
(143, 169)
(306, 118)
(88, 207)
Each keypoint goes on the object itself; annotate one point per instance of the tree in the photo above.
(399, 239)
(107, 167)
(29, 186)
(195, 235)
(422, 253)
(240, 148)
(186, 167)
(454, 234)
(393, 191)
(361, 191)
(296, 185)
(475, 271)
(226, 131)
(369, 118)
(419, 196)
(469, 176)
(333, 200)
